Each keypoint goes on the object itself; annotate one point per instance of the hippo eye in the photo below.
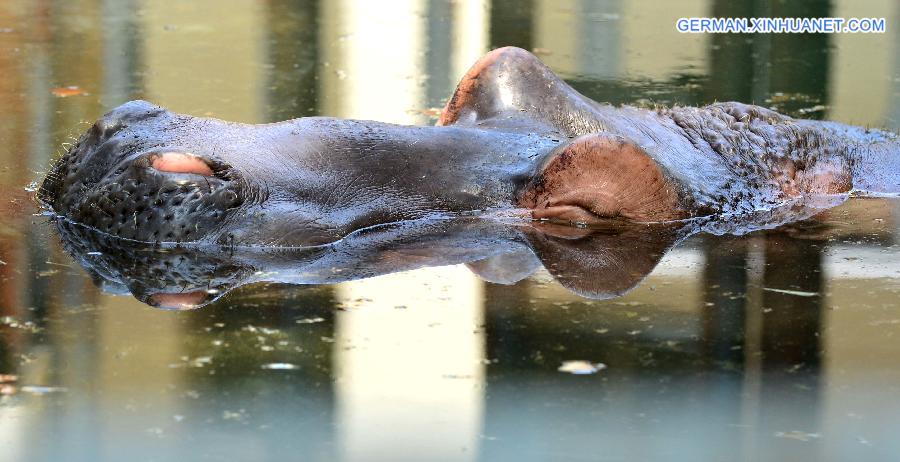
(178, 162)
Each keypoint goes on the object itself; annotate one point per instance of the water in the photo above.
(774, 345)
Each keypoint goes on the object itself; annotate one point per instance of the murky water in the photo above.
(774, 345)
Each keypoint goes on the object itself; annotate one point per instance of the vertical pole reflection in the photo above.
(894, 51)
(723, 319)
(222, 45)
(731, 60)
(865, 61)
(120, 57)
(438, 46)
(471, 24)
(511, 23)
(724, 312)
(799, 62)
(570, 36)
(360, 77)
(13, 82)
(292, 52)
(790, 344)
(893, 116)
(409, 366)
(790, 371)
(66, 55)
(408, 355)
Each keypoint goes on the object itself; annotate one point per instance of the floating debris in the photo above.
(65, 92)
(261, 330)
(816, 108)
(239, 415)
(798, 435)
(280, 366)
(798, 293)
(40, 390)
(581, 367)
(14, 323)
(310, 320)
(200, 361)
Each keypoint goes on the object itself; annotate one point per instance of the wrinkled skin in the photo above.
(514, 139)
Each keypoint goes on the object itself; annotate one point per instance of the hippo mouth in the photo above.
(159, 195)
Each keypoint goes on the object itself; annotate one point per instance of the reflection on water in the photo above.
(775, 345)
(602, 261)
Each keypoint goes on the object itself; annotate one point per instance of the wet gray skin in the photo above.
(300, 182)
(616, 257)
(601, 262)
(512, 137)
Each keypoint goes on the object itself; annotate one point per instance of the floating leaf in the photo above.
(65, 92)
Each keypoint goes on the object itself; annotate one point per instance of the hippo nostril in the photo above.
(177, 162)
(179, 301)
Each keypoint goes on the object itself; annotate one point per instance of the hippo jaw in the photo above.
(129, 176)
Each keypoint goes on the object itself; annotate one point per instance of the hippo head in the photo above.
(146, 174)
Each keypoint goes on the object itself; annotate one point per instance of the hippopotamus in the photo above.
(602, 261)
(513, 141)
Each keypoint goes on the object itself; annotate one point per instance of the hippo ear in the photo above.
(601, 176)
(605, 262)
(513, 81)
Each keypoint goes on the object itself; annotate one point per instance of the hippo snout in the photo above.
(128, 176)
(56, 190)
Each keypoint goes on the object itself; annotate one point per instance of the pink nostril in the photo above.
(178, 301)
(177, 162)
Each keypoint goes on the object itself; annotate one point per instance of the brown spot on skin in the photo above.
(827, 179)
(818, 178)
(598, 177)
